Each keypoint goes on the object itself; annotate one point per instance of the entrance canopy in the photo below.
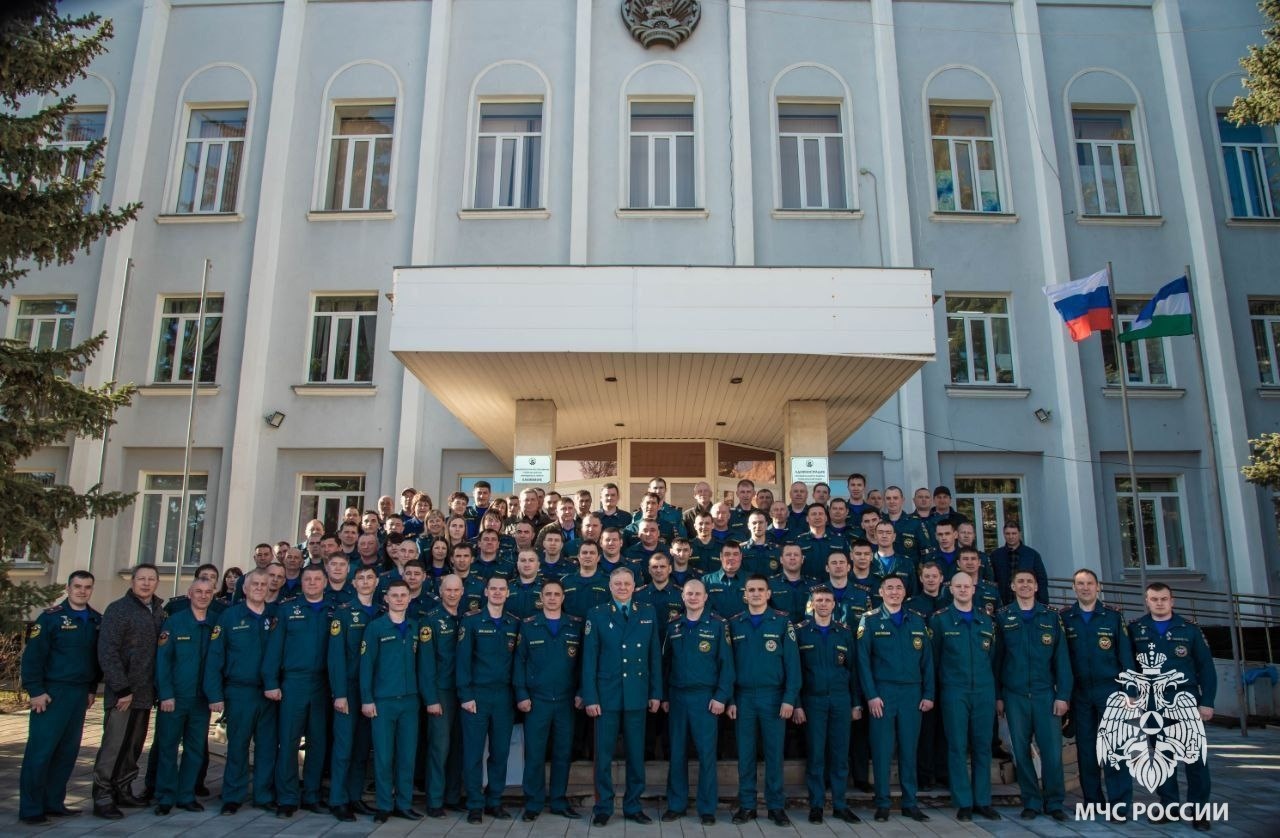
(661, 352)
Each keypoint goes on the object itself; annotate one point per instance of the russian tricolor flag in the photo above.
(1084, 303)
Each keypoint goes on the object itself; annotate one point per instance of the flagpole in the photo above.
(1215, 490)
(191, 423)
(1122, 372)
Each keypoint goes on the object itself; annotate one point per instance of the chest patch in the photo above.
(1104, 643)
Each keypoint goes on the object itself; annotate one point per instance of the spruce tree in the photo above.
(1261, 105)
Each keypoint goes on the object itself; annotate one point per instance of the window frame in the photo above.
(1140, 347)
(968, 318)
(1184, 525)
(1139, 143)
(24, 561)
(1000, 153)
(84, 165)
(699, 167)
(327, 136)
(977, 498)
(173, 193)
(161, 315)
(15, 309)
(846, 154)
(1270, 322)
(298, 494)
(1217, 114)
(471, 170)
(312, 314)
(140, 506)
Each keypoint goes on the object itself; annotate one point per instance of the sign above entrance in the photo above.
(809, 470)
(532, 468)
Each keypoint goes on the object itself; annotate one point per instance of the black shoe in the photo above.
(163, 809)
(638, 817)
(381, 817)
(64, 812)
(360, 808)
(529, 817)
(882, 815)
(128, 801)
(266, 807)
(311, 807)
(342, 813)
(148, 795)
(915, 814)
(436, 812)
(707, 820)
(474, 816)
(193, 806)
(497, 813)
(989, 812)
(1201, 825)
(286, 811)
(671, 816)
(108, 811)
(743, 815)
(202, 791)
(600, 820)
(1029, 814)
(408, 814)
(964, 813)
(229, 809)
(847, 815)
(455, 807)
(779, 817)
(568, 812)
(815, 816)
(865, 788)
(36, 820)
(1058, 815)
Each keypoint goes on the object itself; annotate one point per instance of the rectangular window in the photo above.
(1144, 360)
(1163, 527)
(360, 158)
(1251, 157)
(811, 154)
(160, 517)
(661, 173)
(21, 553)
(990, 502)
(1264, 319)
(326, 497)
(80, 128)
(979, 340)
(1107, 156)
(211, 158)
(342, 335)
(45, 324)
(509, 156)
(176, 344)
(965, 172)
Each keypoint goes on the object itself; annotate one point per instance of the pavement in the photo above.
(1245, 773)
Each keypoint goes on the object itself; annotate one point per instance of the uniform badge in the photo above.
(355, 618)
(335, 628)
(917, 643)
(986, 643)
(587, 628)
(791, 631)
(771, 645)
(1046, 639)
(462, 632)
(363, 647)
(1180, 651)
(908, 541)
(33, 631)
(773, 565)
(839, 658)
(511, 644)
(424, 634)
(216, 633)
(705, 646)
(991, 609)
(861, 630)
(163, 638)
(571, 651)
(1104, 643)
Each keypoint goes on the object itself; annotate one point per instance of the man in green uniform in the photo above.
(895, 673)
(294, 675)
(964, 639)
(891, 561)
(829, 686)
(184, 708)
(931, 754)
(759, 554)
(818, 542)
(486, 650)
(725, 586)
(766, 689)
(1099, 646)
(60, 672)
(910, 539)
(233, 685)
(1033, 688)
(698, 680)
(524, 597)
(1161, 632)
(663, 594)
(444, 733)
(789, 590)
(986, 597)
(351, 734)
(621, 679)
(588, 586)
(389, 690)
(545, 682)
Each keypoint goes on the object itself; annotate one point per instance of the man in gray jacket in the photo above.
(127, 655)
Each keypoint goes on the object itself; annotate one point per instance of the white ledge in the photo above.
(1254, 222)
(200, 218)
(1120, 220)
(533, 214)
(335, 390)
(351, 215)
(662, 213)
(178, 390)
(831, 215)
(1269, 392)
(1112, 391)
(981, 391)
(975, 217)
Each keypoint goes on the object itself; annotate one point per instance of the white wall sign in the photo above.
(535, 468)
(809, 470)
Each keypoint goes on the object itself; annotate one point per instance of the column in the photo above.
(535, 436)
(741, 195)
(580, 182)
(804, 434)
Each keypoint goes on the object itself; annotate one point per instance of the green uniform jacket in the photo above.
(816, 550)
(903, 566)
(698, 657)
(828, 663)
(893, 654)
(236, 647)
(964, 651)
(763, 558)
(581, 594)
(1185, 648)
(705, 557)
(790, 597)
(1031, 656)
(524, 599)
(621, 658)
(547, 666)
(486, 652)
(851, 603)
(426, 663)
(1099, 648)
(61, 649)
(766, 657)
(725, 593)
(667, 603)
(924, 605)
(297, 645)
(912, 540)
(500, 566)
(388, 660)
(444, 628)
(346, 630)
(181, 652)
(986, 598)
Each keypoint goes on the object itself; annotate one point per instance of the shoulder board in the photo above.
(529, 619)
(1114, 608)
(782, 614)
(674, 617)
(1136, 620)
(807, 623)
(1190, 620)
(716, 618)
(573, 619)
(1062, 609)
(54, 609)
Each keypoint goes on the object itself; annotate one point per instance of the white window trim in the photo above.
(311, 327)
(298, 490)
(1013, 341)
(699, 144)
(15, 303)
(979, 497)
(173, 185)
(154, 352)
(105, 110)
(674, 185)
(1223, 184)
(473, 155)
(846, 139)
(136, 541)
(1003, 187)
(1141, 137)
(1141, 348)
(1179, 491)
(1139, 150)
(321, 185)
(1267, 319)
(1270, 213)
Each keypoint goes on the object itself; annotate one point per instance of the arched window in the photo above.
(1109, 141)
(662, 138)
(214, 111)
(813, 151)
(358, 139)
(970, 172)
(509, 114)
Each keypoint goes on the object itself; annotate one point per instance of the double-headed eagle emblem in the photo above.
(1150, 725)
(661, 21)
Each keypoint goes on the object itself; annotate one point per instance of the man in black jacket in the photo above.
(1007, 560)
(127, 655)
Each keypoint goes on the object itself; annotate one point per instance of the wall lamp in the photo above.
(275, 419)
(1043, 415)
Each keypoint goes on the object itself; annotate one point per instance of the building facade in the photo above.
(309, 149)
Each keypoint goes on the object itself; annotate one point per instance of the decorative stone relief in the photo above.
(667, 22)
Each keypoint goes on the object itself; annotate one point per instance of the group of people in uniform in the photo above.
(415, 641)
